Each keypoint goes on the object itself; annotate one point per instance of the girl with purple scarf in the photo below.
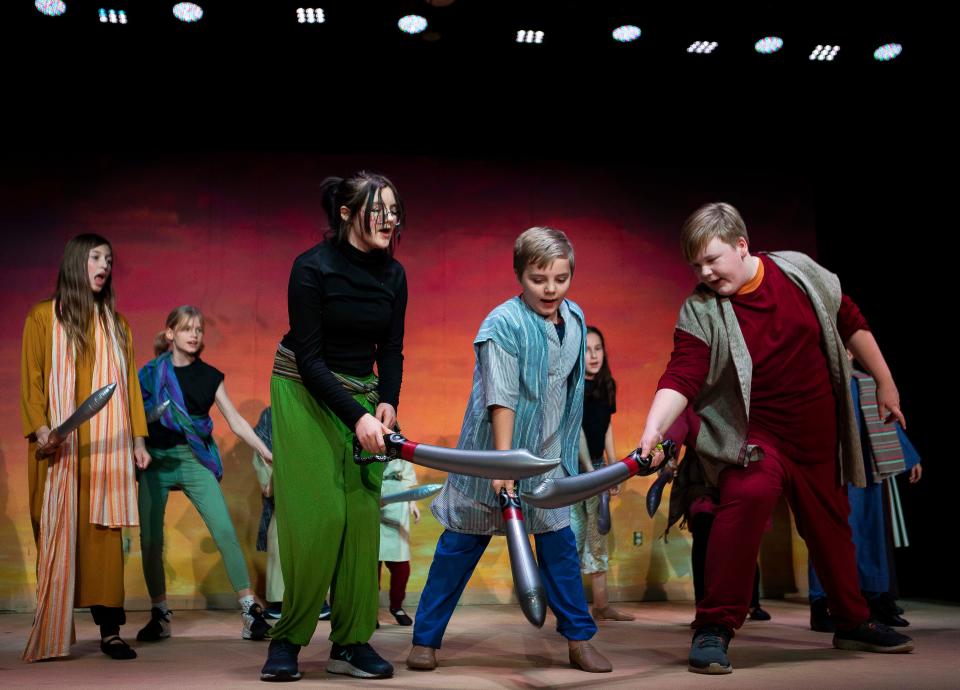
(187, 458)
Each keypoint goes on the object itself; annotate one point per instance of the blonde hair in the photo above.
(541, 246)
(176, 319)
(711, 220)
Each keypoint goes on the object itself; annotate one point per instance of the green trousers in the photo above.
(178, 468)
(328, 519)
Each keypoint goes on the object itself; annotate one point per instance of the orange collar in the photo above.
(754, 282)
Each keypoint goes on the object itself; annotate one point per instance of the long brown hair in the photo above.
(604, 386)
(76, 302)
(361, 188)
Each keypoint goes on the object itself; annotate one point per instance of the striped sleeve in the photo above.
(500, 374)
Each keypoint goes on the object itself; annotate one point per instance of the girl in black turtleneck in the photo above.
(347, 299)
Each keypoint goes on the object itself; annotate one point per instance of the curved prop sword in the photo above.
(603, 518)
(87, 409)
(565, 491)
(526, 574)
(490, 464)
(654, 495)
(416, 493)
(157, 412)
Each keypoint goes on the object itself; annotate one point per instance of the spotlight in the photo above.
(112, 16)
(528, 36)
(310, 15)
(412, 24)
(702, 47)
(768, 45)
(187, 12)
(51, 8)
(824, 52)
(626, 33)
(887, 52)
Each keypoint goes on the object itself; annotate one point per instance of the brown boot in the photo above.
(608, 613)
(422, 658)
(588, 659)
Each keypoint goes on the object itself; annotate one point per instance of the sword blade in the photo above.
(565, 491)
(526, 574)
(157, 412)
(489, 464)
(84, 412)
(603, 518)
(416, 493)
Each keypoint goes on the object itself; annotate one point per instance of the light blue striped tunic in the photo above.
(520, 364)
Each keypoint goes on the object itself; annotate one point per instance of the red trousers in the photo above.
(809, 480)
(399, 574)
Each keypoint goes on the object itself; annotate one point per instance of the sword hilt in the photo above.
(508, 500)
(393, 442)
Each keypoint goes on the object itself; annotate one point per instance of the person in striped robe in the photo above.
(527, 393)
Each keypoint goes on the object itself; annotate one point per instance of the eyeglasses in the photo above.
(382, 214)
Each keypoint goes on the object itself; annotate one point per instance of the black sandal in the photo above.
(115, 648)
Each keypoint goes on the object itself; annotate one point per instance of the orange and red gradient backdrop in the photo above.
(220, 231)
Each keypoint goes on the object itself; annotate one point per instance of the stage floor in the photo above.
(494, 647)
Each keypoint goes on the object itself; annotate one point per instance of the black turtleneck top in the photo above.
(346, 310)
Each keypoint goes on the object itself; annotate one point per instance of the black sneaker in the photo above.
(758, 614)
(325, 611)
(158, 628)
(273, 611)
(873, 637)
(402, 617)
(820, 618)
(281, 663)
(708, 651)
(358, 660)
(255, 626)
(884, 609)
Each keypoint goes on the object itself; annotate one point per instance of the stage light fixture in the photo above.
(626, 33)
(702, 47)
(188, 12)
(529, 36)
(887, 52)
(51, 8)
(108, 16)
(412, 24)
(311, 15)
(824, 52)
(768, 45)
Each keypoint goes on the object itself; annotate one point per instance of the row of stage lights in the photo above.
(415, 24)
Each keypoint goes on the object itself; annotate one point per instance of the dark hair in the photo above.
(76, 302)
(604, 386)
(176, 320)
(358, 193)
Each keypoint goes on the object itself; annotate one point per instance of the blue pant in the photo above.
(869, 538)
(457, 555)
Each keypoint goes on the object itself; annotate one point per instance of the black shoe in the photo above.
(708, 651)
(884, 609)
(358, 660)
(116, 648)
(255, 626)
(402, 617)
(758, 614)
(158, 628)
(274, 611)
(820, 618)
(325, 611)
(873, 637)
(281, 663)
